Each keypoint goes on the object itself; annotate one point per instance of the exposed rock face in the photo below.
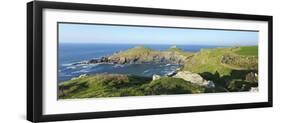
(81, 76)
(171, 73)
(194, 78)
(240, 61)
(251, 77)
(155, 77)
(122, 60)
(139, 55)
(254, 89)
(93, 61)
(166, 57)
(209, 84)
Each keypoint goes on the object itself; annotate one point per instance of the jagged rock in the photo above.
(81, 76)
(140, 55)
(122, 60)
(251, 77)
(134, 60)
(92, 61)
(194, 78)
(171, 73)
(240, 61)
(104, 59)
(188, 76)
(155, 77)
(209, 84)
(254, 89)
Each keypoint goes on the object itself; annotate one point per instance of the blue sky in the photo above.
(90, 33)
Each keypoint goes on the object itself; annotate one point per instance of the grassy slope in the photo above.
(138, 51)
(229, 76)
(101, 85)
(147, 54)
(169, 85)
(179, 51)
(207, 62)
(248, 51)
(210, 60)
(116, 85)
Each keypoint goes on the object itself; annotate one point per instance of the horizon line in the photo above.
(150, 44)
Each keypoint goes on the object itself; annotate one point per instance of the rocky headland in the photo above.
(141, 54)
(233, 69)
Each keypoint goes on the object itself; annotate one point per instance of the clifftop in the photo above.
(221, 60)
(141, 54)
(174, 48)
(208, 71)
(137, 51)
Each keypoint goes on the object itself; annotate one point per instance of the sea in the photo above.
(71, 53)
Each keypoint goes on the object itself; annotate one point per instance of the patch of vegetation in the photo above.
(175, 49)
(230, 69)
(237, 80)
(141, 54)
(240, 85)
(208, 60)
(223, 60)
(137, 52)
(169, 85)
(117, 85)
(179, 52)
(102, 85)
(248, 51)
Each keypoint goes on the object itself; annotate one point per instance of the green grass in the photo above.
(101, 85)
(169, 85)
(179, 52)
(208, 60)
(175, 49)
(117, 85)
(226, 67)
(136, 52)
(211, 60)
(248, 51)
(144, 54)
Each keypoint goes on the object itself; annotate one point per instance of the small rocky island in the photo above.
(233, 69)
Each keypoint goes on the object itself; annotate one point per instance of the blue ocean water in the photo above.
(73, 53)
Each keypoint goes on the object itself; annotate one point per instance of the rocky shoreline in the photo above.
(208, 71)
(136, 60)
(140, 55)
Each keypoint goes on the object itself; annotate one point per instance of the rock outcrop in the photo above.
(194, 78)
(251, 77)
(240, 61)
(156, 77)
(81, 76)
(139, 55)
(254, 89)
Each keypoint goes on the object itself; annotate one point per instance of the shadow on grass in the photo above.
(235, 82)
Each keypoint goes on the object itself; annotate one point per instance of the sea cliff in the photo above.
(141, 54)
(231, 69)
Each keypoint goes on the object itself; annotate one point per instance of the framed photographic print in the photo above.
(95, 61)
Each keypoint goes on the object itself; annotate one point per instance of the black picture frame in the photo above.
(35, 69)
